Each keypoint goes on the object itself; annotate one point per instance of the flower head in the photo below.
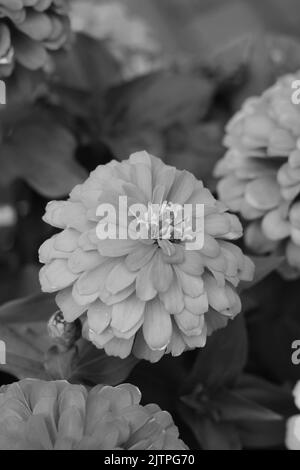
(260, 172)
(151, 295)
(40, 415)
(28, 29)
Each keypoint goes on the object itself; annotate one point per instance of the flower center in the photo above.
(165, 223)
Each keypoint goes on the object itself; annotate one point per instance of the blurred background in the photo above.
(176, 29)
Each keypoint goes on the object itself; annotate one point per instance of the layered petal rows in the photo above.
(260, 172)
(147, 296)
(39, 415)
(28, 30)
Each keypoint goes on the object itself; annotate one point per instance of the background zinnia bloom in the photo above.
(56, 415)
(28, 29)
(260, 172)
(150, 296)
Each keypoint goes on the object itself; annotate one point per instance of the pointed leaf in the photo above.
(264, 265)
(40, 151)
(222, 359)
(93, 366)
(236, 408)
(35, 308)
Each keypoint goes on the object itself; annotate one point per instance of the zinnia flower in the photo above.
(260, 172)
(292, 439)
(39, 415)
(149, 296)
(28, 29)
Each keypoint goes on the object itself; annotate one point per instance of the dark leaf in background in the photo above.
(263, 435)
(264, 265)
(26, 345)
(59, 365)
(24, 86)
(92, 366)
(273, 325)
(159, 99)
(235, 408)
(209, 434)
(30, 350)
(40, 150)
(166, 113)
(196, 148)
(36, 308)
(23, 327)
(226, 410)
(88, 66)
(253, 62)
(258, 390)
(258, 426)
(222, 359)
(232, 418)
(161, 382)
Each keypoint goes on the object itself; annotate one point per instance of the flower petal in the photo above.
(157, 327)
(127, 313)
(99, 316)
(119, 278)
(70, 309)
(56, 276)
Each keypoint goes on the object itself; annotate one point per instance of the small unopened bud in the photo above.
(64, 334)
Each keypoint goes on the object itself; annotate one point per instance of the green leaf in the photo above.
(35, 308)
(266, 394)
(23, 328)
(264, 265)
(159, 99)
(88, 66)
(228, 418)
(59, 364)
(273, 326)
(263, 434)
(30, 351)
(40, 151)
(235, 408)
(140, 114)
(161, 382)
(211, 435)
(222, 359)
(26, 345)
(93, 366)
(252, 62)
(217, 436)
(195, 148)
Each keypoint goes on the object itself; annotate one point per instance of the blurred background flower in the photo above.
(38, 415)
(259, 173)
(28, 30)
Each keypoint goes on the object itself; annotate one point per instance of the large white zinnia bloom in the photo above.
(149, 296)
(260, 172)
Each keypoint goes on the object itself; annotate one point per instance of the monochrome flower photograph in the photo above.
(149, 227)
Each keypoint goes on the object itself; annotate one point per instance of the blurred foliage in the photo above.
(61, 123)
